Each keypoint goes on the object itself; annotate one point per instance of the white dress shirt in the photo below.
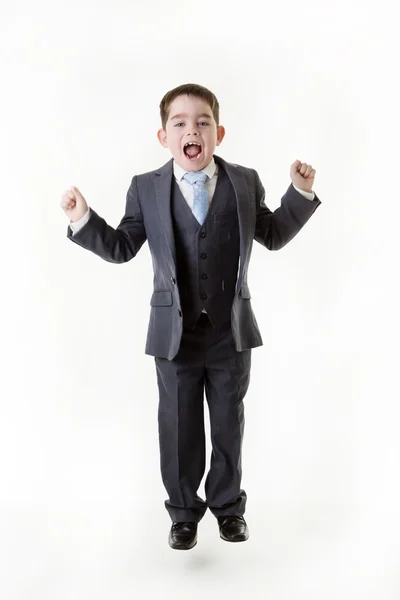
(211, 170)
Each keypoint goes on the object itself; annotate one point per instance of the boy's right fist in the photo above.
(74, 204)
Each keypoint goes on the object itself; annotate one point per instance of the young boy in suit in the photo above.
(200, 215)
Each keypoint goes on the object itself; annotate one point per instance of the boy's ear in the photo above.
(162, 137)
(220, 134)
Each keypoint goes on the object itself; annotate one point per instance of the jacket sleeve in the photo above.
(274, 229)
(114, 245)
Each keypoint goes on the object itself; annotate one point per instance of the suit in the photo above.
(148, 216)
(202, 327)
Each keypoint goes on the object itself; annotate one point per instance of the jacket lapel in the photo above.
(244, 209)
(163, 183)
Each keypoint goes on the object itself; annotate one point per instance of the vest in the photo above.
(207, 255)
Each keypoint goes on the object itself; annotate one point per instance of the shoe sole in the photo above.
(182, 547)
(244, 539)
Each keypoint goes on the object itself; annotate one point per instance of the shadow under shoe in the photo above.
(233, 529)
(183, 535)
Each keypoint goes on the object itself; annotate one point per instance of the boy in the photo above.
(200, 215)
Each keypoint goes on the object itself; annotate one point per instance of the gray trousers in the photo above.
(208, 362)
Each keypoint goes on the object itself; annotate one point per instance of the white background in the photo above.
(82, 514)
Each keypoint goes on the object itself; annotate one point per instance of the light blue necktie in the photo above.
(200, 195)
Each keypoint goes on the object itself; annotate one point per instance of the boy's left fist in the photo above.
(302, 175)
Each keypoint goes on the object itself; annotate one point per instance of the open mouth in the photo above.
(192, 150)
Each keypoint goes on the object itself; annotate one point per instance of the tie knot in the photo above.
(194, 177)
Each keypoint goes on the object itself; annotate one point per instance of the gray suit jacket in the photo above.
(148, 216)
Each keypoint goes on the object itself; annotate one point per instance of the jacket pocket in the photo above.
(221, 217)
(161, 299)
(223, 227)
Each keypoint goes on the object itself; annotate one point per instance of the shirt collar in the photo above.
(209, 170)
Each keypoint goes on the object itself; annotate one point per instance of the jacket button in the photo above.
(203, 234)
(204, 276)
(180, 312)
(173, 280)
(203, 255)
(204, 296)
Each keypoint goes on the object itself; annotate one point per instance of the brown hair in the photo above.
(191, 89)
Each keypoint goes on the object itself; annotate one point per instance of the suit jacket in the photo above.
(148, 217)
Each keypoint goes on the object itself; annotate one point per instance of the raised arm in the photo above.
(274, 229)
(113, 245)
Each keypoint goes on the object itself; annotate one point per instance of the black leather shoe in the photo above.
(183, 536)
(233, 529)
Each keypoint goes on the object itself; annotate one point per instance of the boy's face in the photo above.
(190, 119)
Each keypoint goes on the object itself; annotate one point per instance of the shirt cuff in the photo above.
(308, 195)
(77, 225)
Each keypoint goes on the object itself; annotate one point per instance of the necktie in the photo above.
(200, 195)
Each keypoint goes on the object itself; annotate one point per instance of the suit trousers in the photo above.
(207, 362)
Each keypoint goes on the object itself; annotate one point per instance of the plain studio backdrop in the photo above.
(82, 513)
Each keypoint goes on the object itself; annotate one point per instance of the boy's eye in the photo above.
(200, 123)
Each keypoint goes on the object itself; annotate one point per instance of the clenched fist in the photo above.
(302, 175)
(74, 204)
